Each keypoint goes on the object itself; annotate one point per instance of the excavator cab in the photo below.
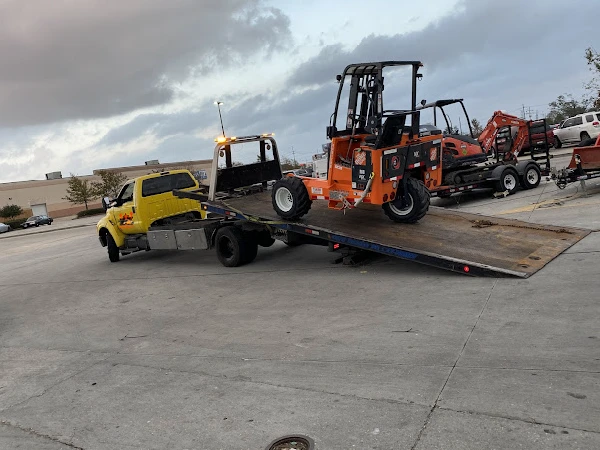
(378, 156)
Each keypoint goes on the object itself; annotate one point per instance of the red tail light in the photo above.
(596, 123)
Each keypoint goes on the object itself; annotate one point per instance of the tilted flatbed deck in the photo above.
(449, 239)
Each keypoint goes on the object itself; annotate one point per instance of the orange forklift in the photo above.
(378, 156)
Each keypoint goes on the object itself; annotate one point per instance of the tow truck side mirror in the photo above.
(105, 203)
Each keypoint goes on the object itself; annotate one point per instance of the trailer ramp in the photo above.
(449, 239)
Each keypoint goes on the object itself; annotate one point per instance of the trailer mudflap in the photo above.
(452, 240)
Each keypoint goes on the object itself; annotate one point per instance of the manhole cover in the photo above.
(296, 442)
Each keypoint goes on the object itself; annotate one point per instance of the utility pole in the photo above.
(294, 155)
(523, 116)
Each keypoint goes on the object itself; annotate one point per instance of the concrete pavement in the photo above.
(172, 350)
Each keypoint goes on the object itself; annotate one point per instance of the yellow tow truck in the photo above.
(143, 203)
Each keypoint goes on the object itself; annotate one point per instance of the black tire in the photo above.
(419, 198)
(290, 198)
(509, 181)
(264, 239)
(584, 136)
(557, 143)
(587, 143)
(531, 177)
(234, 247)
(113, 250)
(37, 224)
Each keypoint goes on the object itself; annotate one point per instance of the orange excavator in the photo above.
(519, 134)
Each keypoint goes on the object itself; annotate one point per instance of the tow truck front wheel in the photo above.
(290, 198)
(411, 209)
(113, 250)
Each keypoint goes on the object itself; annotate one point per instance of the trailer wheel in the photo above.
(234, 248)
(290, 198)
(113, 250)
(531, 178)
(509, 180)
(418, 203)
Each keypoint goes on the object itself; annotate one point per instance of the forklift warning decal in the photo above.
(126, 219)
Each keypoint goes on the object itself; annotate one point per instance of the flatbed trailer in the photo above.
(452, 240)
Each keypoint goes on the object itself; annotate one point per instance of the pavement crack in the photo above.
(33, 432)
(49, 388)
(277, 385)
(515, 419)
(435, 403)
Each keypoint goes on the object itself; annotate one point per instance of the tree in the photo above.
(11, 211)
(593, 86)
(110, 184)
(477, 128)
(565, 106)
(289, 164)
(80, 191)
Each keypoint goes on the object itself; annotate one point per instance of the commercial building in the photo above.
(47, 196)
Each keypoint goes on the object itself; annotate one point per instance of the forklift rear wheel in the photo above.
(290, 198)
(531, 178)
(509, 181)
(418, 203)
(234, 247)
(113, 250)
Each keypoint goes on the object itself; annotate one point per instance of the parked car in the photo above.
(578, 128)
(537, 137)
(4, 228)
(36, 221)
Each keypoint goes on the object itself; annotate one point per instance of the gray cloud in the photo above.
(75, 60)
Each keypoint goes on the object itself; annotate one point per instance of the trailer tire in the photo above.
(290, 198)
(113, 250)
(234, 248)
(419, 198)
(509, 180)
(531, 177)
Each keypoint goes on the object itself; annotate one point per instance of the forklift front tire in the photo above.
(418, 203)
(290, 198)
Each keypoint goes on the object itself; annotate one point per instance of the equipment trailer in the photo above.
(460, 242)
(468, 168)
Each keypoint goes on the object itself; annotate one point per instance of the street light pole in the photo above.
(220, 117)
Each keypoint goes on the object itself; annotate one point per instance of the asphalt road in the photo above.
(173, 351)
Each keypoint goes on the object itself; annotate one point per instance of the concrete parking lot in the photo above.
(173, 351)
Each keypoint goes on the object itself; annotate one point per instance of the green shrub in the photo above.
(90, 212)
(15, 224)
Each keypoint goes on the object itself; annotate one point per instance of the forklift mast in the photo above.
(366, 87)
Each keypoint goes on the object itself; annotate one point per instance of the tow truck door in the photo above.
(125, 215)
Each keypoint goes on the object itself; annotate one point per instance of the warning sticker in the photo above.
(317, 191)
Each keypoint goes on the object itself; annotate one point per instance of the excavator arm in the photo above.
(501, 120)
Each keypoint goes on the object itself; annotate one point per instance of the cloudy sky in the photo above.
(87, 84)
